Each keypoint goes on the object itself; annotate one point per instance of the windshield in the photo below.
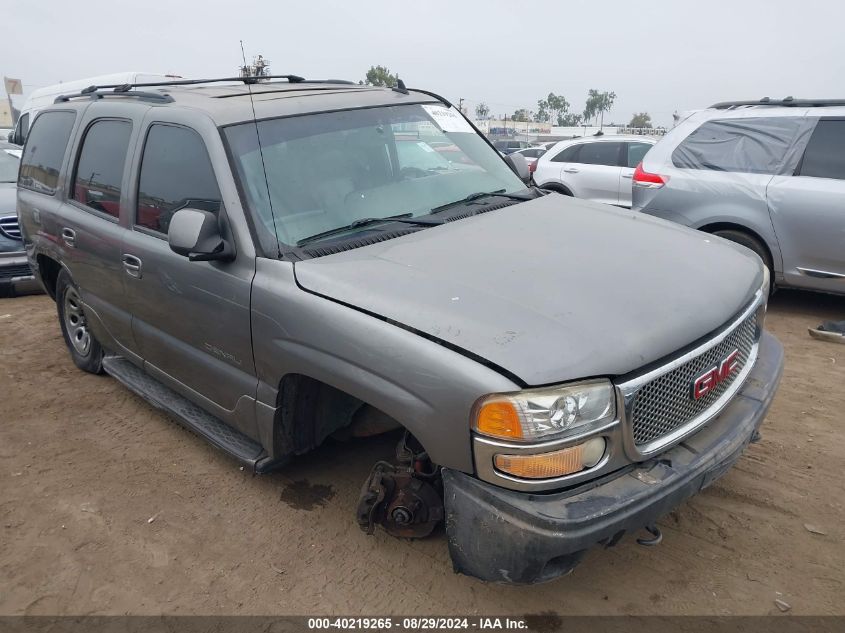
(325, 171)
(8, 166)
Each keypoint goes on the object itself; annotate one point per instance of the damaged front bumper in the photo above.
(514, 537)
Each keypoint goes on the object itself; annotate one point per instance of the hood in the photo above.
(550, 290)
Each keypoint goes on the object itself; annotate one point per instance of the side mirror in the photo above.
(11, 137)
(519, 165)
(196, 235)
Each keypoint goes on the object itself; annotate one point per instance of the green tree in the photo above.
(520, 115)
(482, 111)
(553, 108)
(542, 115)
(381, 76)
(597, 104)
(640, 119)
(570, 119)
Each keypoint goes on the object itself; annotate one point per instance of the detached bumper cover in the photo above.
(512, 537)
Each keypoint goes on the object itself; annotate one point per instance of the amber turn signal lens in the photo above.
(499, 419)
(555, 464)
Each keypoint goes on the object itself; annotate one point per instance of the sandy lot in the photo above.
(85, 465)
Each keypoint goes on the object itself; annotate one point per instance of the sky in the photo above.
(657, 56)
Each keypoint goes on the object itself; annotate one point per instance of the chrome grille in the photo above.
(665, 404)
(9, 226)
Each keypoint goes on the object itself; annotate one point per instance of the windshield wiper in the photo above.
(499, 193)
(402, 217)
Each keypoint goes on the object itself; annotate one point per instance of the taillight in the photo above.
(648, 180)
(532, 167)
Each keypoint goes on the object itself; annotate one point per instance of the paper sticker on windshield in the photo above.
(448, 119)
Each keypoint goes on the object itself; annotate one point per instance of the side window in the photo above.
(45, 150)
(825, 153)
(568, 155)
(176, 173)
(636, 152)
(751, 145)
(600, 154)
(99, 172)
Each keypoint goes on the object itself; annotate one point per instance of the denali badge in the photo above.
(707, 381)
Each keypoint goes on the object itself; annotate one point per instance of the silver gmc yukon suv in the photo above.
(276, 262)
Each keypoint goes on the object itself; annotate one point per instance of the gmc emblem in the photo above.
(707, 381)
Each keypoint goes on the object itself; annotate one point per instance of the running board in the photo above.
(244, 449)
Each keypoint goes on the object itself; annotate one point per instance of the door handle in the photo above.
(132, 266)
(69, 237)
(627, 175)
(571, 170)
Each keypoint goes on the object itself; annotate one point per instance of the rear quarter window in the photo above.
(825, 153)
(45, 150)
(748, 145)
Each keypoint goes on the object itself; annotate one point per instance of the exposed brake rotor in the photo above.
(404, 498)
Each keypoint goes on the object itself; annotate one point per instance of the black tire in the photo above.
(558, 189)
(84, 348)
(752, 243)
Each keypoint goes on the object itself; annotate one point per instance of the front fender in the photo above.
(430, 389)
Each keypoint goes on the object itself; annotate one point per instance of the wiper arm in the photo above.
(500, 193)
(406, 218)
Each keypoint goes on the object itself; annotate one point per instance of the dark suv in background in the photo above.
(15, 274)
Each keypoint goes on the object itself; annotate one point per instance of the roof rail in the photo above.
(191, 82)
(92, 93)
(786, 102)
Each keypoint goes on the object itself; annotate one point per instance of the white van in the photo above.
(44, 97)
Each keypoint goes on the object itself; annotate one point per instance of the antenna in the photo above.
(249, 81)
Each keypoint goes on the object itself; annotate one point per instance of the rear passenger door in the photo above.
(596, 174)
(633, 154)
(84, 222)
(808, 211)
(191, 319)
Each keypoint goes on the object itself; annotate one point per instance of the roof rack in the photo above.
(127, 89)
(786, 102)
(92, 93)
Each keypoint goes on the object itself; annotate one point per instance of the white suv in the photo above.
(598, 168)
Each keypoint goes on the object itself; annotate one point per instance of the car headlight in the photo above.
(541, 414)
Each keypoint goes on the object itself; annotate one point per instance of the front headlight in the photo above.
(541, 414)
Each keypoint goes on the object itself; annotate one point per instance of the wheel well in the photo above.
(554, 186)
(309, 411)
(728, 226)
(48, 269)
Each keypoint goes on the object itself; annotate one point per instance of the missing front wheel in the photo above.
(405, 498)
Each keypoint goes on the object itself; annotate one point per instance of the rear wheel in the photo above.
(85, 350)
(557, 189)
(751, 242)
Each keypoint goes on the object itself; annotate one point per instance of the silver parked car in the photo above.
(261, 262)
(597, 168)
(769, 175)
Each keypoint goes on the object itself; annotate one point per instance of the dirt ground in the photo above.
(109, 507)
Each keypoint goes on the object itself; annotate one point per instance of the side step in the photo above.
(244, 449)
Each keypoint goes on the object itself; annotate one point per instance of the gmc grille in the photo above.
(665, 404)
